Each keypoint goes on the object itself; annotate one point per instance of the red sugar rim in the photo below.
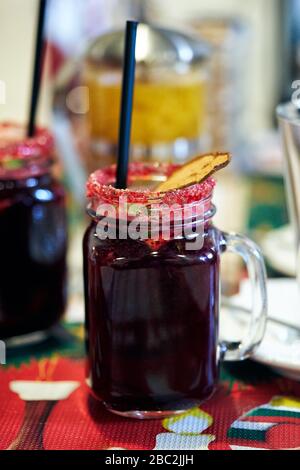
(14, 146)
(100, 189)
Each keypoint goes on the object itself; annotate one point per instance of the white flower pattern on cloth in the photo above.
(185, 432)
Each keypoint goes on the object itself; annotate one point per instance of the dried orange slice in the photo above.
(195, 171)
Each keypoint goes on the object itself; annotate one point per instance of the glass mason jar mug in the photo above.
(152, 303)
(32, 236)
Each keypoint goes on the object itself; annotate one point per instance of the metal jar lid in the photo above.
(156, 47)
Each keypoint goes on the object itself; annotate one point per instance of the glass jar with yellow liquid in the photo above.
(169, 119)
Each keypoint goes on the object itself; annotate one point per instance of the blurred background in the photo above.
(220, 93)
(267, 65)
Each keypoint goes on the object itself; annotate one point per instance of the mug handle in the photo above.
(253, 258)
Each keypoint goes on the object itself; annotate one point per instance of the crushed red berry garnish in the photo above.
(100, 187)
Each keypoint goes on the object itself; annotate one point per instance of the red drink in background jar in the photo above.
(33, 234)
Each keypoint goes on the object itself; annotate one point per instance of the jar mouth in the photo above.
(141, 175)
(22, 156)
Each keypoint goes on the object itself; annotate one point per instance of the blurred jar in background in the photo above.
(288, 115)
(170, 98)
(33, 234)
(229, 40)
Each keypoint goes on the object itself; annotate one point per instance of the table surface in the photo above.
(45, 404)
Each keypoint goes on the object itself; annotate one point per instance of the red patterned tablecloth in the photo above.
(45, 404)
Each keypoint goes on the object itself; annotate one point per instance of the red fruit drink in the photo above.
(152, 306)
(32, 234)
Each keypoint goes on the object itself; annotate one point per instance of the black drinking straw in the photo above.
(37, 71)
(126, 104)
